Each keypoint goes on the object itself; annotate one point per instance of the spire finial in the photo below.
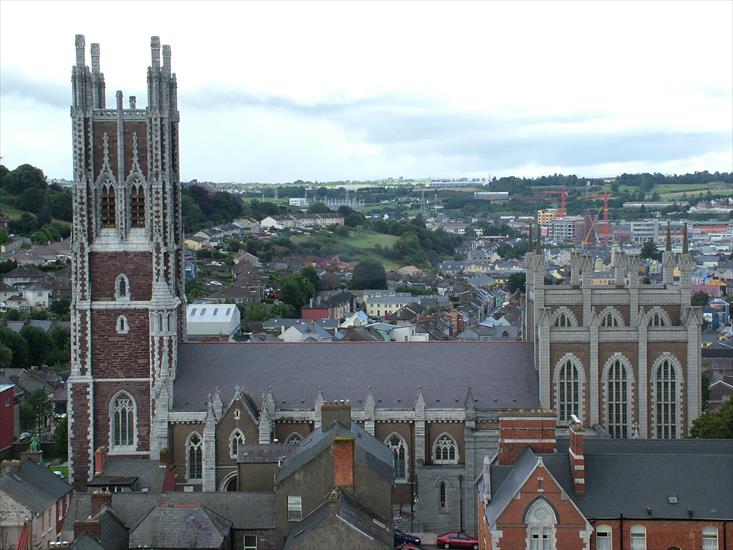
(95, 58)
(529, 237)
(79, 42)
(669, 238)
(685, 247)
(155, 51)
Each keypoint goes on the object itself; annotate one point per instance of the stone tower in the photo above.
(127, 264)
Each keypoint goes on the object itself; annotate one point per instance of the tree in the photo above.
(649, 251)
(700, 298)
(61, 436)
(517, 281)
(35, 409)
(714, 425)
(318, 208)
(6, 356)
(40, 345)
(17, 345)
(369, 274)
(61, 307)
(24, 177)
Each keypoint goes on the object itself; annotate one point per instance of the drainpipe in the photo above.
(460, 490)
(622, 530)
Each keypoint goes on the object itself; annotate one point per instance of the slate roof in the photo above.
(349, 510)
(263, 453)
(147, 473)
(180, 526)
(113, 533)
(86, 541)
(368, 451)
(40, 476)
(26, 493)
(501, 374)
(244, 510)
(633, 477)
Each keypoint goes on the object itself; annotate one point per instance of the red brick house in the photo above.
(543, 493)
(7, 416)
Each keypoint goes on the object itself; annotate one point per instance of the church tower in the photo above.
(128, 301)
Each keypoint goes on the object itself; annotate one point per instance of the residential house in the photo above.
(23, 275)
(245, 257)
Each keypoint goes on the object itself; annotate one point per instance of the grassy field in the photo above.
(369, 239)
(360, 245)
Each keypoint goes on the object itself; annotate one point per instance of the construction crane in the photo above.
(563, 193)
(605, 229)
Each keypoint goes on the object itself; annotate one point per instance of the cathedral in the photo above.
(624, 358)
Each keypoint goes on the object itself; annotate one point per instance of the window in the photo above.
(610, 318)
(604, 540)
(295, 508)
(569, 381)
(194, 457)
(122, 418)
(236, 439)
(638, 537)
(658, 319)
(137, 205)
(399, 455)
(709, 538)
(122, 287)
(617, 399)
(122, 326)
(294, 438)
(250, 542)
(665, 396)
(563, 321)
(540, 519)
(107, 206)
(237, 414)
(442, 495)
(445, 450)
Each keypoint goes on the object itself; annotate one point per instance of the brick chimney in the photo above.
(526, 428)
(100, 499)
(100, 457)
(335, 411)
(343, 460)
(576, 449)
(91, 525)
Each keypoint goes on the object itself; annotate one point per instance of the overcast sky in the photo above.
(327, 91)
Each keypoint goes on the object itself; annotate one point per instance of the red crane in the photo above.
(563, 193)
(606, 229)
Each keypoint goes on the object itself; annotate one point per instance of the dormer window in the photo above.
(122, 288)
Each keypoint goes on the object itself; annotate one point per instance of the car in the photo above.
(454, 539)
(216, 283)
(400, 537)
(406, 546)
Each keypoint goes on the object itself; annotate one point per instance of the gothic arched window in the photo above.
(569, 389)
(564, 318)
(666, 399)
(659, 319)
(122, 287)
(618, 399)
(445, 450)
(236, 439)
(122, 326)
(107, 216)
(122, 422)
(399, 453)
(541, 520)
(442, 497)
(610, 318)
(294, 438)
(194, 457)
(137, 205)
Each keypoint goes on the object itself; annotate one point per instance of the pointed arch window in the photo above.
(194, 457)
(399, 456)
(666, 399)
(236, 440)
(122, 326)
(541, 520)
(564, 318)
(442, 496)
(618, 399)
(445, 450)
(137, 205)
(294, 438)
(569, 389)
(658, 319)
(123, 422)
(107, 215)
(610, 318)
(122, 287)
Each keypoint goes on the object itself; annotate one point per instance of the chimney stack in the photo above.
(87, 525)
(343, 460)
(533, 428)
(335, 411)
(576, 450)
(100, 499)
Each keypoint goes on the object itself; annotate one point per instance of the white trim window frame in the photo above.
(194, 457)
(122, 423)
(400, 456)
(236, 440)
(445, 449)
(666, 378)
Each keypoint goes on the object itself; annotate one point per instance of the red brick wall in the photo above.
(7, 418)
(661, 535)
(104, 268)
(139, 128)
(517, 433)
(98, 148)
(117, 355)
(343, 462)
(103, 394)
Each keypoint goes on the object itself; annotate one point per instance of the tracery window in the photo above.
(399, 455)
(563, 321)
(107, 216)
(445, 450)
(666, 397)
(137, 205)
(569, 381)
(657, 320)
(236, 440)
(541, 520)
(611, 319)
(294, 438)
(194, 456)
(122, 417)
(617, 400)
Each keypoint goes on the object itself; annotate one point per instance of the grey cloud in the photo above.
(15, 83)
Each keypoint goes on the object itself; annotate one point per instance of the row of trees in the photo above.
(34, 346)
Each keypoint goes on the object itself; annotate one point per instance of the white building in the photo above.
(300, 202)
(207, 320)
